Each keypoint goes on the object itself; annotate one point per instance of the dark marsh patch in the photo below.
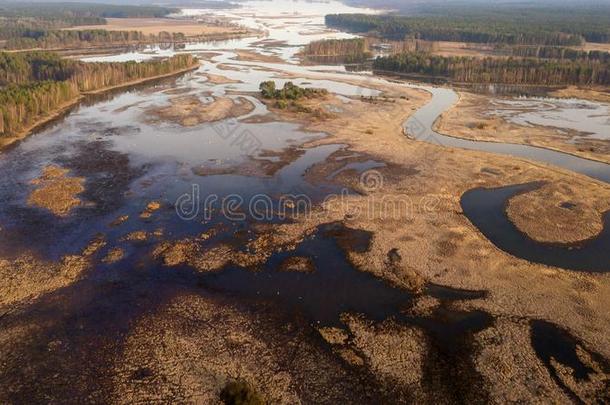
(553, 344)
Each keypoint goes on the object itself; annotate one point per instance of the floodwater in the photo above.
(589, 119)
(332, 287)
(129, 160)
(486, 208)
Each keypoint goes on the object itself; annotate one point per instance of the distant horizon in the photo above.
(379, 3)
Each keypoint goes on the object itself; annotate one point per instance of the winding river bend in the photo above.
(486, 208)
(420, 126)
(131, 160)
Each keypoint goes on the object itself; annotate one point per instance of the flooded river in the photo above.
(129, 158)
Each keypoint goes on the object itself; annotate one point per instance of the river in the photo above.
(127, 159)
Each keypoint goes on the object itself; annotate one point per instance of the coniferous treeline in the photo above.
(37, 83)
(51, 10)
(31, 27)
(354, 49)
(33, 19)
(555, 52)
(290, 91)
(28, 67)
(94, 76)
(86, 38)
(589, 19)
(413, 45)
(36, 24)
(517, 29)
(498, 70)
(22, 105)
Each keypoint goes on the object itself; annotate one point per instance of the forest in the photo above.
(50, 10)
(335, 47)
(554, 52)
(34, 84)
(28, 67)
(288, 96)
(86, 38)
(33, 25)
(505, 29)
(498, 70)
(353, 50)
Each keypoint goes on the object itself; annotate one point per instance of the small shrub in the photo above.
(281, 104)
(240, 393)
(301, 108)
(267, 89)
(290, 91)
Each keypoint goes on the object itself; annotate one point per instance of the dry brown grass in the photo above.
(191, 346)
(251, 56)
(219, 79)
(151, 207)
(601, 94)
(297, 264)
(191, 111)
(27, 277)
(114, 255)
(196, 363)
(592, 46)
(515, 286)
(446, 48)
(56, 191)
(136, 236)
(570, 214)
(155, 26)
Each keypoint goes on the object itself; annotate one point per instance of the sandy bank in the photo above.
(190, 111)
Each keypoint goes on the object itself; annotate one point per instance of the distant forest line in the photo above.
(498, 70)
(53, 39)
(555, 52)
(517, 29)
(40, 25)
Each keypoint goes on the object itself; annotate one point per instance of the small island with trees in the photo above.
(289, 95)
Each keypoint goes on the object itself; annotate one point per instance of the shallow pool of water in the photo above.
(420, 124)
(590, 119)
